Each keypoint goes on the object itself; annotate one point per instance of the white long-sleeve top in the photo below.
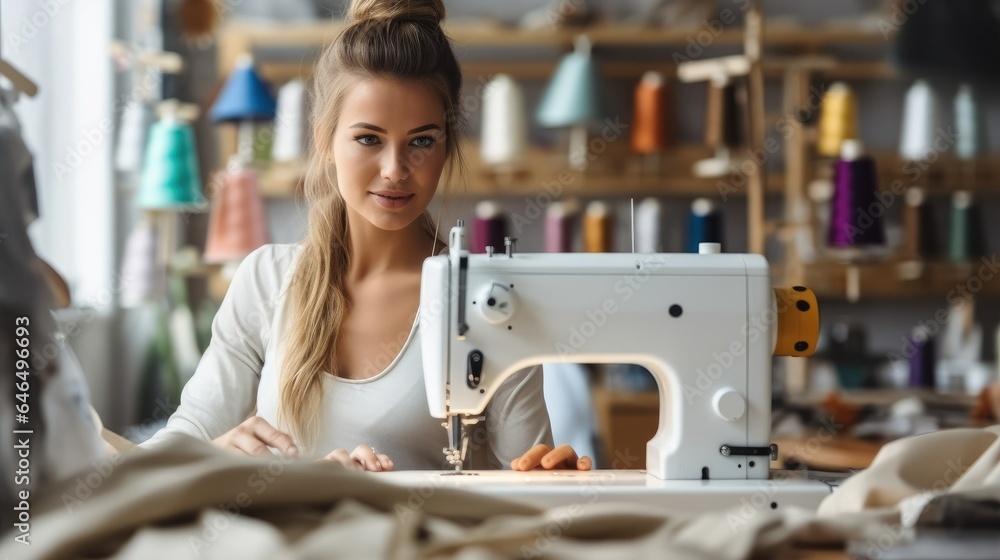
(239, 373)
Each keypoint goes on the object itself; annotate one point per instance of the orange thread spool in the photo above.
(649, 130)
(597, 228)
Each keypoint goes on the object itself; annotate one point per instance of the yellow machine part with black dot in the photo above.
(798, 321)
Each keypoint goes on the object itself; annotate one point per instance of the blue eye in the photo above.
(423, 142)
(367, 139)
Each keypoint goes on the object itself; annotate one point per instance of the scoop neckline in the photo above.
(388, 368)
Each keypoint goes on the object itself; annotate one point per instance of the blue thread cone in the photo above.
(704, 225)
(170, 178)
(244, 97)
(575, 95)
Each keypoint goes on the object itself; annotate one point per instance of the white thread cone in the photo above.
(289, 122)
(136, 120)
(504, 134)
(919, 122)
(647, 226)
(141, 278)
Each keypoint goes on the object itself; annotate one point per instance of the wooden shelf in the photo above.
(892, 279)
(236, 38)
(280, 71)
(886, 397)
(202, 270)
(945, 175)
(614, 174)
(296, 40)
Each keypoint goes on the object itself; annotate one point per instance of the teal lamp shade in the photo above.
(170, 178)
(245, 97)
(575, 95)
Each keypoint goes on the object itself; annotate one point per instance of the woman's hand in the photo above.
(562, 457)
(254, 436)
(363, 458)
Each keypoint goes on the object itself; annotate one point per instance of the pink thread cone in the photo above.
(238, 225)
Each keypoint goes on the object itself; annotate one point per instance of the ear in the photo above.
(329, 156)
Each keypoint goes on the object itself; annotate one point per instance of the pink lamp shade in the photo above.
(237, 225)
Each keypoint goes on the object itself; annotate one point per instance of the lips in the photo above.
(393, 199)
(393, 194)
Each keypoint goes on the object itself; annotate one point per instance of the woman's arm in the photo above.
(223, 390)
(516, 418)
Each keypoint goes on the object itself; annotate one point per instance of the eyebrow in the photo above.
(384, 131)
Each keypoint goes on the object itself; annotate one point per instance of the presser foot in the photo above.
(454, 458)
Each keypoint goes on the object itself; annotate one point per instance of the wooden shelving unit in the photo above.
(889, 279)
(628, 420)
(290, 48)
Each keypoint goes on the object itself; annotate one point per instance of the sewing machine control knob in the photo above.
(709, 248)
(728, 404)
(474, 369)
(496, 303)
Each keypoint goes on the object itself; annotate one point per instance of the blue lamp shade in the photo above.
(245, 97)
(575, 95)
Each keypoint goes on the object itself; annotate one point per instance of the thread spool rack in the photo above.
(802, 63)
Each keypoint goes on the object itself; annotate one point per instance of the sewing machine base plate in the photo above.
(548, 489)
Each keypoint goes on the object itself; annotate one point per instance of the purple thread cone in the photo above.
(922, 362)
(855, 211)
(558, 230)
(488, 228)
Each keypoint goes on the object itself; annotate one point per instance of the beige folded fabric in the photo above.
(189, 499)
(951, 460)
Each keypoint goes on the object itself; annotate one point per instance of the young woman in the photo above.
(315, 348)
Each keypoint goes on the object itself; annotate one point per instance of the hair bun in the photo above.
(414, 10)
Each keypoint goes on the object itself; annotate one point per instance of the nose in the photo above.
(395, 166)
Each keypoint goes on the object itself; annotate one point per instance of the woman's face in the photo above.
(389, 150)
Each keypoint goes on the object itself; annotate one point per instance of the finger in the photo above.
(386, 462)
(365, 455)
(584, 464)
(249, 443)
(344, 458)
(278, 440)
(532, 458)
(560, 457)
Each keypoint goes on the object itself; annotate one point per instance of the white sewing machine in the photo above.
(706, 326)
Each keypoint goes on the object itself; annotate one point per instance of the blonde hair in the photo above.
(384, 39)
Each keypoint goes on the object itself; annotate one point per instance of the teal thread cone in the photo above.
(170, 178)
(968, 124)
(575, 95)
(960, 236)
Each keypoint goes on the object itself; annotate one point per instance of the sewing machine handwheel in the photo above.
(798, 321)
